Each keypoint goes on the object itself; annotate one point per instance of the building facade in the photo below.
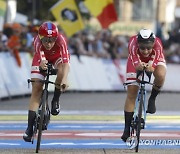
(137, 14)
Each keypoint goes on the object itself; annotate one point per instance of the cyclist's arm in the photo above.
(65, 62)
(65, 69)
(61, 42)
(159, 55)
(132, 48)
(37, 47)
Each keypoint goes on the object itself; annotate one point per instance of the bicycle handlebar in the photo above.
(138, 73)
(138, 81)
(50, 69)
(42, 81)
(148, 73)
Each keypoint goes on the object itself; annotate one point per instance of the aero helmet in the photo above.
(48, 29)
(145, 36)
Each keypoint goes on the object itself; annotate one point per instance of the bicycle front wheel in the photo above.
(43, 103)
(138, 129)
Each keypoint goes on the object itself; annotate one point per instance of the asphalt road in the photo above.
(102, 101)
(167, 103)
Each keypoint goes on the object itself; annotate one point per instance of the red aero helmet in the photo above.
(48, 29)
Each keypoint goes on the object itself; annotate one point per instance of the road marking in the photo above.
(112, 134)
(85, 118)
(1, 143)
(90, 135)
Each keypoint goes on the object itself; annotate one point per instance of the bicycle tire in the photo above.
(138, 129)
(43, 102)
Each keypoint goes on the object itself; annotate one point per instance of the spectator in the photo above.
(99, 47)
(3, 41)
(14, 42)
(26, 40)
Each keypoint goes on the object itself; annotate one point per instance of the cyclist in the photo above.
(145, 52)
(50, 47)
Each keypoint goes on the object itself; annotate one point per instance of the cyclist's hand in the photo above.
(149, 68)
(44, 65)
(141, 66)
(64, 87)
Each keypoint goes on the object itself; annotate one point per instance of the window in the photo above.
(143, 10)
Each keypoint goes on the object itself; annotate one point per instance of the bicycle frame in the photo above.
(138, 122)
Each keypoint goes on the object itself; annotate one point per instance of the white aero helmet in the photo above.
(145, 36)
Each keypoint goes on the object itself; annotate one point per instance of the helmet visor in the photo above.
(145, 46)
(49, 39)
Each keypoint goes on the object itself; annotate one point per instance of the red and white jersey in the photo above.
(58, 54)
(135, 57)
(59, 50)
(154, 58)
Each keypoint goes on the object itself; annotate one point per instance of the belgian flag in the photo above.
(103, 10)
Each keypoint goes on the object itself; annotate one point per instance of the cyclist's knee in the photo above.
(157, 87)
(132, 91)
(160, 73)
(130, 99)
(37, 87)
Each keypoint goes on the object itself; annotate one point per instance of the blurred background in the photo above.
(97, 33)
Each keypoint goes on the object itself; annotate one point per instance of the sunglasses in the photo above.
(145, 47)
(48, 39)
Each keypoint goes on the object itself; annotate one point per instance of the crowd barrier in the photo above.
(86, 74)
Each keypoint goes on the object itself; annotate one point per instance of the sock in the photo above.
(31, 118)
(154, 93)
(128, 119)
(57, 94)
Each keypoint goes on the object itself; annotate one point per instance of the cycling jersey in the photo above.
(57, 54)
(155, 58)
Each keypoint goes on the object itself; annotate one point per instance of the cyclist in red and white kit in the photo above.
(145, 52)
(50, 47)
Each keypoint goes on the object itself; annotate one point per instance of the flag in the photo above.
(2, 13)
(11, 11)
(2, 8)
(103, 10)
(68, 16)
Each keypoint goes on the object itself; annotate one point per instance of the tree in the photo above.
(38, 9)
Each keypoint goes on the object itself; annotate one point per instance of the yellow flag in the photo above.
(103, 10)
(2, 7)
(68, 16)
(96, 6)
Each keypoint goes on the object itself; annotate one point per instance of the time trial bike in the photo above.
(43, 113)
(139, 117)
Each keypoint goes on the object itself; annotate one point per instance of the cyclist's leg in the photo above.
(35, 98)
(130, 99)
(33, 106)
(159, 78)
(61, 75)
(129, 109)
